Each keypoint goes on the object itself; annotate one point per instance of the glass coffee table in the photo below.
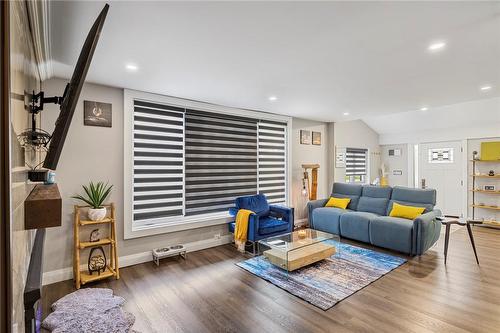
(299, 248)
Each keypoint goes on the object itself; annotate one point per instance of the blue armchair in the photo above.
(268, 220)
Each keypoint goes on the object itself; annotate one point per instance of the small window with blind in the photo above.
(190, 165)
(356, 170)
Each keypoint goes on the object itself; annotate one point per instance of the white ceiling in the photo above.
(320, 59)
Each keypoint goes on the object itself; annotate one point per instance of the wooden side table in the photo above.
(451, 220)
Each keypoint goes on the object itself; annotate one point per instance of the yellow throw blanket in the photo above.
(241, 228)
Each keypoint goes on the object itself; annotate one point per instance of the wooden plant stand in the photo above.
(82, 277)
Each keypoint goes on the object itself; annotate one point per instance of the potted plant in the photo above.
(95, 196)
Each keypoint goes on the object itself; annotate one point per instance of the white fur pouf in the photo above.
(89, 310)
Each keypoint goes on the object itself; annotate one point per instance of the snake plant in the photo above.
(95, 194)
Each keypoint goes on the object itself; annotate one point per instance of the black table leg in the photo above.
(471, 237)
(446, 241)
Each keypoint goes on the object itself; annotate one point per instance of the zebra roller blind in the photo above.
(356, 161)
(272, 161)
(158, 161)
(189, 162)
(221, 161)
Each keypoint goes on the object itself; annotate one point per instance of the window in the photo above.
(356, 170)
(221, 161)
(189, 164)
(272, 161)
(440, 155)
(158, 161)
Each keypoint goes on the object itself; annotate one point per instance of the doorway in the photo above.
(441, 168)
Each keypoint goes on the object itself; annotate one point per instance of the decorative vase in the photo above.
(97, 214)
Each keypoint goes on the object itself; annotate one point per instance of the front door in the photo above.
(440, 167)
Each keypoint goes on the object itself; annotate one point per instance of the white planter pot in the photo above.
(97, 214)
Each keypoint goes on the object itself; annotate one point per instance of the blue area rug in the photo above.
(329, 281)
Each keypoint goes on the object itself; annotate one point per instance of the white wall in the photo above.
(476, 119)
(357, 134)
(308, 154)
(402, 163)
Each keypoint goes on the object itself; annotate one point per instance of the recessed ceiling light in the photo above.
(273, 98)
(345, 113)
(425, 108)
(436, 46)
(131, 67)
(485, 88)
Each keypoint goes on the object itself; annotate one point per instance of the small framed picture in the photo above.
(305, 137)
(489, 187)
(97, 114)
(316, 138)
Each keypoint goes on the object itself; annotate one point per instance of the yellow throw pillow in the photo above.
(338, 202)
(406, 212)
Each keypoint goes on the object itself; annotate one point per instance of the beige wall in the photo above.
(356, 134)
(24, 78)
(308, 154)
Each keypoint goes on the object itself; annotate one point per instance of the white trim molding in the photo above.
(39, 17)
(66, 273)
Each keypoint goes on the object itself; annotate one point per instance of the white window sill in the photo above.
(179, 224)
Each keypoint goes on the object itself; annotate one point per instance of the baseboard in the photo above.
(64, 274)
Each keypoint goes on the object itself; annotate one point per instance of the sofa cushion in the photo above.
(412, 197)
(392, 233)
(374, 199)
(356, 225)
(338, 202)
(372, 205)
(428, 207)
(268, 225)
(406, 212)
(256, 203)
(327, 219)
(376, 191)
(352, 191)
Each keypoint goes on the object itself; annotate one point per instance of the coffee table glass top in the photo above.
(298, 249)
(297, 239)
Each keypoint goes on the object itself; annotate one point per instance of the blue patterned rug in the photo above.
(329, 281)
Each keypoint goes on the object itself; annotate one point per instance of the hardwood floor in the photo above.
(208, 293)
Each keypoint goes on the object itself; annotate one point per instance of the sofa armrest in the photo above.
(253, 223)
(233, 211)
(285, 213)
(311, 205)
(253, 227)
(281, 211)
(427, 230)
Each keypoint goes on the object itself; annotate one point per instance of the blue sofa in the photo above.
(366, 217)
(268, 220)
